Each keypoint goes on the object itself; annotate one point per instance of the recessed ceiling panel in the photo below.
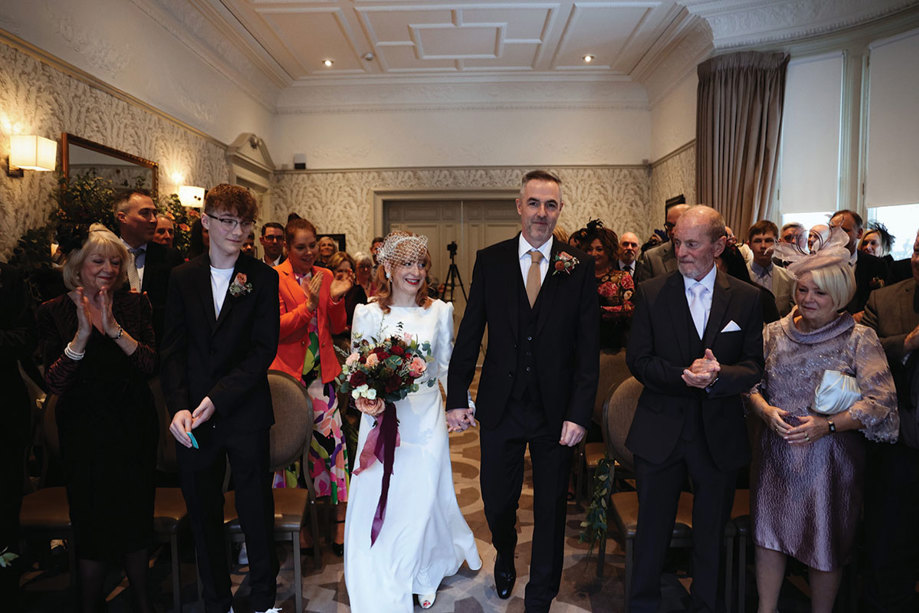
(599, 30)
(457, 42)
(520, 56)
(403, 59)
(395, 25)
(297, 30)
(522, 23)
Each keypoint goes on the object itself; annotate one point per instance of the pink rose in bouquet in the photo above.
(417, 367)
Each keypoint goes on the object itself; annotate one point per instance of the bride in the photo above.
(424, 537)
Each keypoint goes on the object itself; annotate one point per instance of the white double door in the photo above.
(472, 224)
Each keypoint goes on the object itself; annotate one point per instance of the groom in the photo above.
(538, 299)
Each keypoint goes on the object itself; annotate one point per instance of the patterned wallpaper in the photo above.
(36, 98)
(342, 202)
(672, 175)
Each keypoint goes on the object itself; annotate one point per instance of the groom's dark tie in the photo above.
(534, 279)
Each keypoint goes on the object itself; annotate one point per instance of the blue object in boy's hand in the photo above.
(194, 441)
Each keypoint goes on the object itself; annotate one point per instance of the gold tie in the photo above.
(534, 278)
(133, 277)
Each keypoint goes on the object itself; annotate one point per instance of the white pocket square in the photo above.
(731, 327)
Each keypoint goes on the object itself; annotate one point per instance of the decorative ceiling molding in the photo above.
(445, 94)
(747, 23)
(213, 38)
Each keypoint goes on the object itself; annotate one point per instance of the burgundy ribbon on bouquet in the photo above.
(381, 445)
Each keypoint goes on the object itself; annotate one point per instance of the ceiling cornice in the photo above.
(209, 36)
(749, 23)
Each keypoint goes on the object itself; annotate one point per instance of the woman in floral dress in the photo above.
(614, 287)
(312, 309)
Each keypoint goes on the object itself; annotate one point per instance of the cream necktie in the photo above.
(697, 307)
(534, 278)
(133, 277)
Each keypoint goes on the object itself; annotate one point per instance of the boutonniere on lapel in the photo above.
(240, 286)
(876, 283)
(564, 262)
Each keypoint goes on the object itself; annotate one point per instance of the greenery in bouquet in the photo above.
(183, 218)
(386, 369)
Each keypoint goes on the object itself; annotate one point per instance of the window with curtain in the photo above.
(809, 183)
(891, 175)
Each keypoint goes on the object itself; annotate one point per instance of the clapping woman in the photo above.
(312, 310)
(97, 344)
(808, 466)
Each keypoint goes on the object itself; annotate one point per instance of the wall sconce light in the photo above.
(30, 152)
(191, 196)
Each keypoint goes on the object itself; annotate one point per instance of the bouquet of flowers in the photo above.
(383, 372)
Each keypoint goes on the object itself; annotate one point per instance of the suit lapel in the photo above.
(229, 300)
(201, 282)
(679, 314)
(721, 298)
(517, 289)
(549, 288)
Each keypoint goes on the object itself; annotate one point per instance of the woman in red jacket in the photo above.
(312, 310)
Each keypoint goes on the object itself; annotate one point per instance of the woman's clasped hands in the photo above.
(795, 430)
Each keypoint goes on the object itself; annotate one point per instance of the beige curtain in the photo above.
(738, 126)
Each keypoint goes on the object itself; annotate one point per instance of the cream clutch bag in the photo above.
(835, 393)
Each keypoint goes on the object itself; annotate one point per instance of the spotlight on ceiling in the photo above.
(327, 63)
(588, 58)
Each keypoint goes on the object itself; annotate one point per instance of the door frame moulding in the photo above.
(380, 196)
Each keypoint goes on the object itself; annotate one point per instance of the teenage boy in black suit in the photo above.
(221, 335)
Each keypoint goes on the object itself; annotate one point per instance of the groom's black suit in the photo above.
(679, 429)
(225, 358)
(540, 369)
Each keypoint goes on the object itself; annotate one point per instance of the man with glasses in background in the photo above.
(221, 336)
(273, 244)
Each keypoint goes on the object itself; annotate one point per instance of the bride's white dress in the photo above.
(424, 537)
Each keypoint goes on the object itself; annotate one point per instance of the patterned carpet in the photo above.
(324, 590)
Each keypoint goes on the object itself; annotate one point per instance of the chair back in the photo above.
(166, 447)
(618, 413)
(293, 419)
(613, 371)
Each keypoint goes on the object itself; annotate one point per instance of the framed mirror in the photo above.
(80, 156)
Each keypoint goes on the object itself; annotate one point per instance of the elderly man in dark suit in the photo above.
(892, 489)
(538, 299)
(152, 262)
(661, 259)
(696, 346)
(222, 331)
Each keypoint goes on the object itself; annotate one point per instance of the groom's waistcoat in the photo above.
(526, 379)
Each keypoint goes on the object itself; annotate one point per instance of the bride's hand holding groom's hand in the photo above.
(460, 419)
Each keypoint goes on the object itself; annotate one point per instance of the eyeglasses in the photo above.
(271, 238)
(230, 224)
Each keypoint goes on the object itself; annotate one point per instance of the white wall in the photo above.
(450, 137)
(135, 51)
(673, 118)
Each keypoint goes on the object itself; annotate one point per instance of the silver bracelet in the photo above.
(73, 355)
(119, 335)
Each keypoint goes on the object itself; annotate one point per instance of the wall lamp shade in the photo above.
(191, 196)
(29, 152)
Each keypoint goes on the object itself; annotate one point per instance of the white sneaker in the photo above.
(243, 556)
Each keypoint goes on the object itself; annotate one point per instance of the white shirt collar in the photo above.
(523, 247)
(708, 280)
(623, 265)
